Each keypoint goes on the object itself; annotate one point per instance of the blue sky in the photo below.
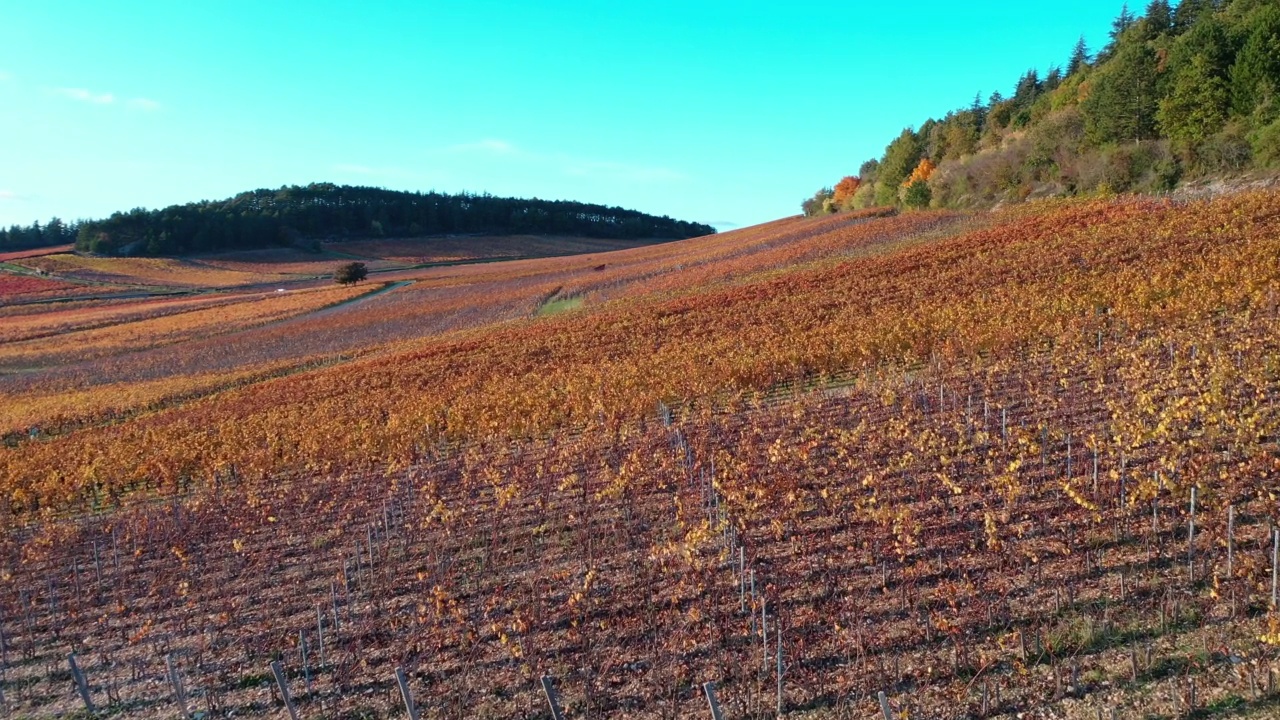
(720, 112)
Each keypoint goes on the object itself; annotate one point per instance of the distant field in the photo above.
(72, 316)
(283, 263)
(446, 249)
(35, 252)
(164, 272)
(16, 287)
(126, 334)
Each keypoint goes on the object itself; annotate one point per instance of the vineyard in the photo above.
(1022, 464)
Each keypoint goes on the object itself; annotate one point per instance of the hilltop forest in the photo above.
(303, 216)
(1177, 94)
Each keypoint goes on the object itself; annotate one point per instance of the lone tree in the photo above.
(351, 273)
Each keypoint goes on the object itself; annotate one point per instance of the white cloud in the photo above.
(144, 104)
(83, 95)
(9, 195)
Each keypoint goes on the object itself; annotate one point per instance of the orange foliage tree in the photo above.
(922, 172)
(846, 188)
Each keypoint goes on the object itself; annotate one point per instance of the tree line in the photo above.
(1177, 94)
(305, 216)
(35, 235)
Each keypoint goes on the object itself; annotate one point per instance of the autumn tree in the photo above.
(845, 189)
(350, 273)
(916, 192)
(922, 173)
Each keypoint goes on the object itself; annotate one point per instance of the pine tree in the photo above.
(1187, 13)
(900, 158)
(979, 111)
(1122, 103)
(1257, 65)
(1196, 106)
(1119, 27)
(1028, 89)
(1158, 20)
(1079, 57)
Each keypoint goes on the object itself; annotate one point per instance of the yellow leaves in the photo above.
(992, 531)
(237, 545)
(923, 171)
(570, 482)
(1272, 634)
(1079, 499)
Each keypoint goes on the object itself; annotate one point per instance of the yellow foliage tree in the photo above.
(922, 172)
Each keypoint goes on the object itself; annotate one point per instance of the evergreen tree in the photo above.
(979, 112)
(918, 195)
(1196, 106)
(1122, 103)
(900, 158)
(1027, 90)
(1052, 80)
(1257, 66)
(1121, 25)
(1157, 21)
(1079, 57)
(1188, 13)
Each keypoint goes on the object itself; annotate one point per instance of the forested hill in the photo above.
(304, 216)
(1178, 93)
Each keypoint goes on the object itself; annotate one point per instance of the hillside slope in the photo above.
(948, 458)
(1178, 94)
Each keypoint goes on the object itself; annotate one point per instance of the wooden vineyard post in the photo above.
(778, 632)
(549, 689)
(283, 684)
(4, 648)
(333, 597)
(884, 706)
(179, 694)
(709, 688)
(406, 694)
(764, 632)
(320, 634)
(1231, 539)
(82, 686)
(1069, 456)
(302, 652)
(1275, 567)
(1095, 473)
(1191, 538)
